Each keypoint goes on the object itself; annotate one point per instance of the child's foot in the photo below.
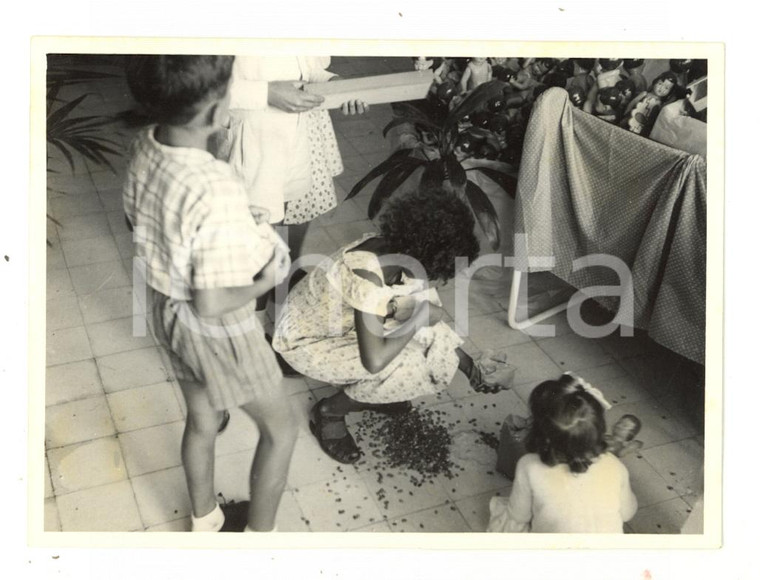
(211, 522)
(333, 435)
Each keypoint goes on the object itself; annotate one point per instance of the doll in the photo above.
(577, 96)
(423, 63)
(622, 439)
(607, 104)
(608, 75)
(627, 90)
(642, 111)
(477, 72)
(632, 70)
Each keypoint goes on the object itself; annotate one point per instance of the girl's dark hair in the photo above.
(567, 424)
(433, 226)
(173, 88)
(666, 76)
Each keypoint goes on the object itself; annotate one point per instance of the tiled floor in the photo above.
(114, 414)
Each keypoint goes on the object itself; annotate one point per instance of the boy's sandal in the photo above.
(225, 421)
(333, 436)
(235, 516)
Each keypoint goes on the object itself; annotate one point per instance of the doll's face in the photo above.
(624, 429)
(662, 88)
(539, 68)
(478, 60)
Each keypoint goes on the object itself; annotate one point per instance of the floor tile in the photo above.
(90, 251)
(152, 449)
(649, 486)
(490, 331)
(599, 376)
(574, 353)
(86, 465)
(663, 518)
(232, 475)
(134, 368)
(78, 421)
(80, 227)
(162, 496)
(475, 509)
(378, 528)
(59, 283)
(532, 363)
(107, 508)
(241, 434)
(342, 234)
(63, 312)
(318, 244)
(290, 516)
(179, 525)
(72, 205)
(117, 221)
(126, 246)
(310, 465)
(72, 381)
(347, 211)
(395, 494)
(52, 522)
(443, 518)
(142, 407)
(338, 505)
(108, 304)
(70, 184)
(100, 276)
(115, 336)
(680, 464)
(112, 200)
(67, 345)
(48, 483)
(618, 390)
(54, 257)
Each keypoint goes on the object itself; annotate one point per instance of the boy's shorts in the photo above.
(229, 354)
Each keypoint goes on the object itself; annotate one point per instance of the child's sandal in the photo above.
(333, 436)
(477, 383)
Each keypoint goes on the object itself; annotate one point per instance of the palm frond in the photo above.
(390, 182)
(504, 180)
(396, 158)
(471, 103)
(455, 173)
(485, 213)
(433, 175)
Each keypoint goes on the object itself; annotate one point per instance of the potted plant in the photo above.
(446, 147)
(74, 135)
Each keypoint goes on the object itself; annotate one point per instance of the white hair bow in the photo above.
(591, 390)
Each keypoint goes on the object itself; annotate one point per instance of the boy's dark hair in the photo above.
(585, 63)
(567, 424)
(609, 63)
(174, 88)
(632, 63)
(432, 226)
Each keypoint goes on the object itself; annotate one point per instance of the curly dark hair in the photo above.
(433, 226)
(173, 88)
(567, 424)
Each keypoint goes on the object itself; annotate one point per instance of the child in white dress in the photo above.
(363, 321)
(567, 482)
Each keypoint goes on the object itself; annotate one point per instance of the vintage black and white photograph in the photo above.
(289, 291)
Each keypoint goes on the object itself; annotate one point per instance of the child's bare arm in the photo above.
(378, 347)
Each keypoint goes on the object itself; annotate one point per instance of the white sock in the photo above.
(248, 528)
(211, 522)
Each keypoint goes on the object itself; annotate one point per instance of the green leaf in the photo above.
(504, 180)
(455, 172)
(392, 161)
(485, 213)
(390, 182)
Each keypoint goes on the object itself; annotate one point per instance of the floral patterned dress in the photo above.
(316, 333)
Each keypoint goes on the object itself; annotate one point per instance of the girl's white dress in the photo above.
(316, 334)
(287, 160)
(553, 499)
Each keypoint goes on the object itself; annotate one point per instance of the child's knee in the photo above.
(204, 424)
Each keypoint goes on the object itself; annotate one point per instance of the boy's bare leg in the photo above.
(269, 472)
(198, 447)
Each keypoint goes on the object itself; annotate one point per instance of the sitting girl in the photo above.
(567, 482)
(363, 321)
